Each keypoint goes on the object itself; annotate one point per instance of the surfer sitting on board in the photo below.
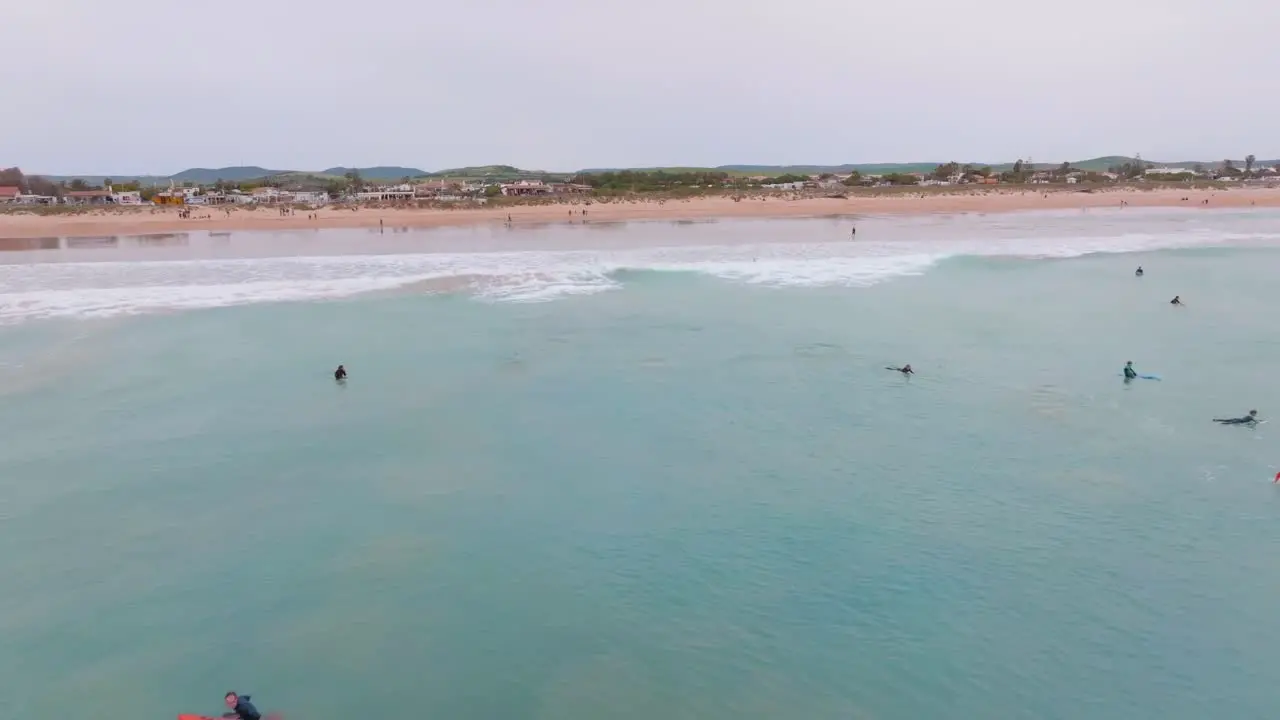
(340, 373)
(1250, 419)
(1138, 272)
(241, 707)
(1129, 372)
(905, 369)
(1177, 300)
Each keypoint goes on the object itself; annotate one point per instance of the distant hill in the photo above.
(101, 179)
(493, 172)
(207, 176)
(382, 172)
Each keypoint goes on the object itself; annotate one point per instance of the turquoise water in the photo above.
(683, 497)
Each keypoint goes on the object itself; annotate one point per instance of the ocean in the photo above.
(647, 470)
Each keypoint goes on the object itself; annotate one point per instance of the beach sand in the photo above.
(145, 220)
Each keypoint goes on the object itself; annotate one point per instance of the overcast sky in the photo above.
(156, 86)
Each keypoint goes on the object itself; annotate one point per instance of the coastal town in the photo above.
(314, 192)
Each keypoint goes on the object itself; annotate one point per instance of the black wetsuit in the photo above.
(1246, 420)
(340, 374)
(244, 710)
(1130, 373)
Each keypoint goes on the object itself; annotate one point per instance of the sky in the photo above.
(157, 86)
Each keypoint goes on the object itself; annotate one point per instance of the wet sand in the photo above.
(145, 221)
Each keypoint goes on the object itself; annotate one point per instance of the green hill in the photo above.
(491, 172)
(206, 176)
(381, 172)
(508, 173)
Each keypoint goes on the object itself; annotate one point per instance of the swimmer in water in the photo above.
(1177, 300)
(1129, 372)
(340, 374)
(1138, 272)
(905, 369)
(1250, 419)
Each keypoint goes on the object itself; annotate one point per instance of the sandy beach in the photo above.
(139, 221)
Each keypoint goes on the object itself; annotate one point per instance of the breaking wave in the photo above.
(101, 289)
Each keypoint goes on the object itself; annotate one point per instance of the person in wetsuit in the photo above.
(1138, 272)
(1129, 372)
(1250, 419)
(905, 369)
(1177, 300)
(340, 373)
(240, 707)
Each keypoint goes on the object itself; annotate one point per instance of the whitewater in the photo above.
(91, 283)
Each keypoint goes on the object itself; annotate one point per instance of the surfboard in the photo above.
(191, 716)
(1145, 377)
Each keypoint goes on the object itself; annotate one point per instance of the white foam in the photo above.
(98, 289)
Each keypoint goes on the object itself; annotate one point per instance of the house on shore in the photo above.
(1170, 171)
(36, 199)
(87, 197)
(309, 197)
(524, 188)
(9, 194)
(126, 197)
(387, 194)
(266, 195)
(430, 189)
(571, 189)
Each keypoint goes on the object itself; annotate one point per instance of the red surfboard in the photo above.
(189, 716)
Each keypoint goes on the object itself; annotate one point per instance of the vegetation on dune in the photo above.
(640, 181)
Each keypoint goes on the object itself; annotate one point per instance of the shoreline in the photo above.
(149, 220)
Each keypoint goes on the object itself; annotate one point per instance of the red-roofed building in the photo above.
(9, 193)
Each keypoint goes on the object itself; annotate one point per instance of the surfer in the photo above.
(1250, 419)
(853, 231)
(1177, 300)
(1138, 272)
(905, 369)
(340, 374)
(240, 707)
(1129, 372)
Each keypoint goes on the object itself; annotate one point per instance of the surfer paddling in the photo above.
(240, 707)
(1250, 419)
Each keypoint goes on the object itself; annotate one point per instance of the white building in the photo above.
(265, 195)
(310, 198)
(395, 192)
(1169, 171)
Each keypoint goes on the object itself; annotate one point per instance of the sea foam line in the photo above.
(98, 289)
